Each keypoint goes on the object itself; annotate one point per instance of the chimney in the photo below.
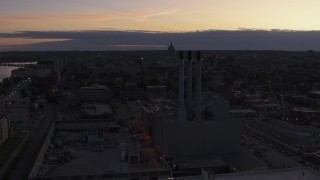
(181, 108)
(189, 98)
(198, 87)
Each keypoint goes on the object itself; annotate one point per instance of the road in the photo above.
(25, 163)
(297, 154)
(273, 155)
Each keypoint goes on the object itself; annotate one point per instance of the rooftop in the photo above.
(94, 87)
(199, 162)
(279, 174)
(96, 108)
(98, 158)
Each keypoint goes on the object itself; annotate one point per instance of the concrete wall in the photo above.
(219, 108)
(146, 175)
(4, 129)
(44, 148)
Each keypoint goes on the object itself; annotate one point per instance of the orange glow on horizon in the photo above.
(25, 41)
(165, 15)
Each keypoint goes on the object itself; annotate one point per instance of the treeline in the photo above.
(6, 84)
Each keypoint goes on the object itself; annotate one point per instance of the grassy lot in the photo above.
(7, 148)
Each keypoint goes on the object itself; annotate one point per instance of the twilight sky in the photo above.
(21, 16)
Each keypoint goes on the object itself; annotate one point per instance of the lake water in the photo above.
(5, 71)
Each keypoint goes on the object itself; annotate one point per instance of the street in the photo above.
(25, 163)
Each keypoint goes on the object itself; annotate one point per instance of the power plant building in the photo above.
(206, 131)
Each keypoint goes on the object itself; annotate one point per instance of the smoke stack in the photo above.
(189, 98)
(198, 87)
(181, 108)
(181, 54)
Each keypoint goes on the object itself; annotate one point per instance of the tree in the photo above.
(3, 90)
(33, 98)
(16, 79)
(6, 82)
(32, 108)
(107, 115)
(52, 97)
(23, 93)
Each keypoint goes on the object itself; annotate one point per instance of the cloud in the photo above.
(96, 17)
(7, 44)
(162, 13)
(139, 45)
(145, 40)
(13, 20)
(90, 17)
(27, 41)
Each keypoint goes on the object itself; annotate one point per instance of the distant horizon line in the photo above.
(172, 31)
(133, 50)
(133, 40)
